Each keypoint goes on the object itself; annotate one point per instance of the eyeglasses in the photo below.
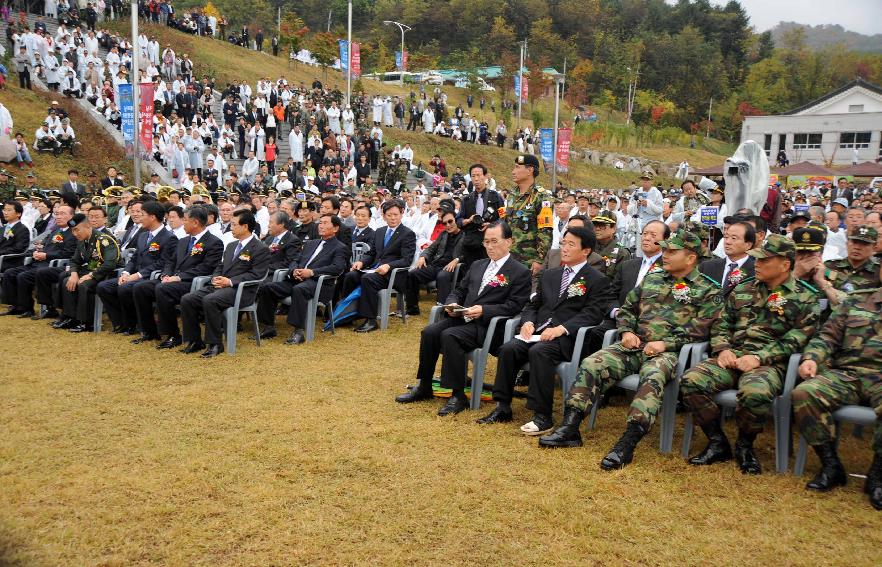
(450, 221)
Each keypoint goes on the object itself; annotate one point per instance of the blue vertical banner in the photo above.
(127, 113)
(398, 60)
(546, 145)
(517, 85)
(344, 54)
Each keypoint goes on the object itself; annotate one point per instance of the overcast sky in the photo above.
(863, 16)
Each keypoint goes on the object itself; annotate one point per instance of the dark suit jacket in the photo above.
(503, 300)
(571, 312)
(366, 236)
(68, 188)
(332, 260)
(625, 280)
(344, 235)
(715, 268)
(398, 254)
(254, 267)
(59, 250)
(492, 202)
(108, 182)
(444, 249)
(287, 253)
(17, 242)
(147, 258)
(188, 266)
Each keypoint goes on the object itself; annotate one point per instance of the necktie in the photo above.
(238, 250)
(191, 244)
(479, 204)
(731, 266)
(388, 237)
(565, 280)
(489, 273)
(275, 241)
(560, 225)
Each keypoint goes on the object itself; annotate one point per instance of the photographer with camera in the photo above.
(646, 202)
(479, 208)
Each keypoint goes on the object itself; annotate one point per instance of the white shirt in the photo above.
(740, 263)
(645, 266)
(316, 253)
(492, 269)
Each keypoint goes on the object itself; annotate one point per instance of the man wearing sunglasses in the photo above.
(437, 262)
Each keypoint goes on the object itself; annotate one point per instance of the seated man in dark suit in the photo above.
(629, 275)
(595, 260)
(362, 232)
(155, 250)
(738, 239)
(284, 246)
(245, 259)
(15, 237)
(18, 282)
(196, 255)
(437, 262)
(325, 256)
(394, 246)
(494, 286)
(571, 296)
(331, 206)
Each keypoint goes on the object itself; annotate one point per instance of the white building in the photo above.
(842, 127)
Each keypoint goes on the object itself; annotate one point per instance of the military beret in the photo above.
(527, 159)
(78, 218)
(682, 240)
(775, 245)
(864, 234)
(809, 238)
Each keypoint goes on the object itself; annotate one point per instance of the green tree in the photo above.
(384, 61)
(325, 49)
(501, 38)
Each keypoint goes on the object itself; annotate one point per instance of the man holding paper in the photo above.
(494, 286)
(568, 297)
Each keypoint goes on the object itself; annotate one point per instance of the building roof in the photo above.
(859, 82)
(866, 169)
(802, 168)
(490, 73)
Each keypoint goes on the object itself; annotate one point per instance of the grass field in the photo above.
(115, 454)
(98, 150)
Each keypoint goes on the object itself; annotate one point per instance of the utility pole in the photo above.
(558, 80)
(520, 81)
(403, 29)
(348, 55)
(136, 87)
(710, 107)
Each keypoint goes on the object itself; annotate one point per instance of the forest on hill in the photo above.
(681, 54)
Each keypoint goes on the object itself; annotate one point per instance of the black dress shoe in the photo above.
(498, 415)
(65, 323)
(453, 406)
(170, 342)
(81, 328)
(26, 314)
(268, 333)
(144, 339)
(415, 395)
(212, 351)
(12, 311)
(413, 311)
(51, 314)
(368, 326)
(296, 338)
(118, 330)
(193, 346)
(876, 497)
(129, 332)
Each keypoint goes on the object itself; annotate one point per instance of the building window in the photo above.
(855, 107)
(858, 140)
(767, 144)
(807, 141)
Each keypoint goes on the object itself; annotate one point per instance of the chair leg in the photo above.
(593, 418)
(256, 327)
(231, 325)
(310, 320)
(385, 305)
(669, 416)
(478, 367)
(781, 416)
(801, 456)
(98, 315)
(688, 429)
(331, 308)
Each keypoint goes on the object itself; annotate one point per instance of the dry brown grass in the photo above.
(98, 150)
(114, 454)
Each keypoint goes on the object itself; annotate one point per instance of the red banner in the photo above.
(145, 108)
(355, 56)
(404, 61)
(525, 89)
(564, 137)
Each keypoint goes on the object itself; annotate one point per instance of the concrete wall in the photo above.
(829, 125)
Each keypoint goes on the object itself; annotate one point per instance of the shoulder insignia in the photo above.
(711, 280)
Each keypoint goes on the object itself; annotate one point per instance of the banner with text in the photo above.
(400, 64)
(146, 116)
(356, 60)
(344, 54)
(546, 145)
(564, 138)
(127, 114)
(526, 87)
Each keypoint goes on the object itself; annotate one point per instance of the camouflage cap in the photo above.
(809, 238)
(696, 228)
(605, 217)
(775, 245)
(864, 234)
(647, 175)
(682, 240)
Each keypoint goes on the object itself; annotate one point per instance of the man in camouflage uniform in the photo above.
(860, 270)
(763, 322)
(97, 257)
(842, 365)
(668, 310)
(809, 242)
(691, 201)
(395, 173)
(702, 232)
(528, 212)
(612, 252)
(7, 186)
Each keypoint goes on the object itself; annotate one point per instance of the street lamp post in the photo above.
(349, 56)
(558, 81)
(403, 29)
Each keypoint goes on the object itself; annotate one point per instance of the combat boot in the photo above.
(622, 452)
(873, 485)
(567, 435)
(832, 472)
(744, 455)
(718, 449)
